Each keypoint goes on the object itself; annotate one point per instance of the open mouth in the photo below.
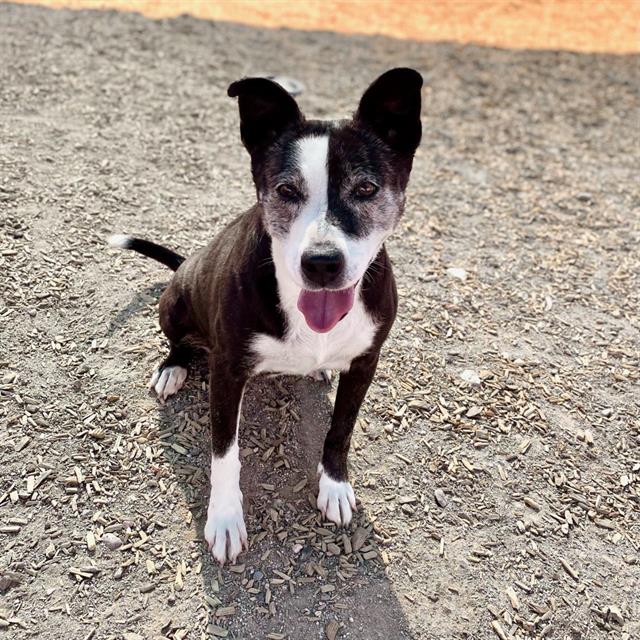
(323, 309)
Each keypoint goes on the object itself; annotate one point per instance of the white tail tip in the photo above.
(119, 240)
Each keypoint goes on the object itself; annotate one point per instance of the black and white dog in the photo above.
(299, 284)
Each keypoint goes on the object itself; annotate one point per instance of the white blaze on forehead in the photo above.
(312, 155)
(310, 226)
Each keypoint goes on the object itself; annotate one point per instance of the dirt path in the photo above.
(526, 181)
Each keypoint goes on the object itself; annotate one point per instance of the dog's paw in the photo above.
(322, 375)
(225, 531)
(167, 381)
(336, 500)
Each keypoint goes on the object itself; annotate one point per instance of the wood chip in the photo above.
(331, 629)
(91, 541)
(358, 538)
(497, 627)
(300, 486)
(513, 598)
(567, 567)
(532, 504)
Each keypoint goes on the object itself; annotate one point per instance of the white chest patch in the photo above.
(303, 351)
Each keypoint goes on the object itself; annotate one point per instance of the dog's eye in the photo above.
(287, 192)
(366, 190)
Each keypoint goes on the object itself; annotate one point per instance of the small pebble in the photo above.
(441, 498)
(470, 376)
(614, 614)
(111, 541)
(291, 85)
(457, 272)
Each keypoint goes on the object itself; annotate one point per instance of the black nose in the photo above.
(322, 269)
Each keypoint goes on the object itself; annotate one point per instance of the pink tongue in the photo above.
(325, 308)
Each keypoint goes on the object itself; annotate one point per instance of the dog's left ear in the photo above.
(390, 107)
(266, 110)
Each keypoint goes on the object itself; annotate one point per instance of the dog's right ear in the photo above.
(390, 108)
(266, 110)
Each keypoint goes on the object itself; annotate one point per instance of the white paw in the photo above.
(225, 531)
(167, 381)
(336, 500)
(322, 375)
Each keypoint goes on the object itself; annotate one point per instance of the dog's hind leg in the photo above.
(176, 324)
(171, 375)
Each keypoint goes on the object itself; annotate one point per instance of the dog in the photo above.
(300, 283)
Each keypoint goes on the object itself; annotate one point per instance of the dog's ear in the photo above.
(266, 110)
(390, 108)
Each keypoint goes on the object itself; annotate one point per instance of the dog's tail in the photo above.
(150, 249)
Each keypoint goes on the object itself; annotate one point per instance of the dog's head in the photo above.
(331, 192)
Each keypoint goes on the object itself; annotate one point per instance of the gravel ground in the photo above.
(498, 503)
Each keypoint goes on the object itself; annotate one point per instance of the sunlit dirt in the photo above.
(577, 25)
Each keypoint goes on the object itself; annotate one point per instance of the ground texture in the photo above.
(502, 502)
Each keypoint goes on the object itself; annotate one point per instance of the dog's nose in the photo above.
(322, 269)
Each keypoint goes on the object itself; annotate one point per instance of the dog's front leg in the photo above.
(225, 520)
(336, 499)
